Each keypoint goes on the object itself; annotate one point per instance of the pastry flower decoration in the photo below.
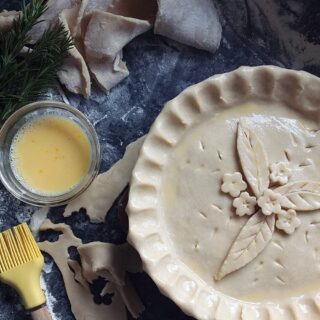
(280, 173)
(233, 184)
(270, 202)
(245, 204)
(267, 196)
(288, 221)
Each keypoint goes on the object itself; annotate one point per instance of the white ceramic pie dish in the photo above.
(183, 271)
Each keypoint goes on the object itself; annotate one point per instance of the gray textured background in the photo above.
(283, 33)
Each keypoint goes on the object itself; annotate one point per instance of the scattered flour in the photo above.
(37, 219)
(51, 300)
(24, 214)
(296, 50)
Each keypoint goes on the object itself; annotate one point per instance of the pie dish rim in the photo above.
(222, 91)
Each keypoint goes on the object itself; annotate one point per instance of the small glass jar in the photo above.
(20, 118)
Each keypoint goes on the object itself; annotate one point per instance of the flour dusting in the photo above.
(296, 50)
(50, 299)
(37, 219)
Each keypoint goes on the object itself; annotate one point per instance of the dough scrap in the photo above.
(86, 9)
(111, 262)
(105, 37)
(108, 72)
(192, 22)
(104, 190)
(74, 73)
(81, 300)
(138, 9)
(131, 299)
(50, 16)
(7, 18)
(91, 5)
(94, 25)
(108, 261)
(77, 270)
(101, 28)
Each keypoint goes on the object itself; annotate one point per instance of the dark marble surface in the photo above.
(283, 33)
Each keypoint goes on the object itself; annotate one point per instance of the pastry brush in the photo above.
(20, 266)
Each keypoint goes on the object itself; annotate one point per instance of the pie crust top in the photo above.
(224, 204)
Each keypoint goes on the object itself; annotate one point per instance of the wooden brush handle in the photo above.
(41, 314)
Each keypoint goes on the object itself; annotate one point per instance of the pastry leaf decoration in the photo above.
(253, 160)
(252, 239)
(269, 206)
(300, 195)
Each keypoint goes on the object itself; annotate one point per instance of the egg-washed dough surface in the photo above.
(184, 226)
(201, 220)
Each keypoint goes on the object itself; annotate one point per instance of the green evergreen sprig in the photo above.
(23, 77)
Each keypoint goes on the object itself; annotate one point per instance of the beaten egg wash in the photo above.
(50, 155)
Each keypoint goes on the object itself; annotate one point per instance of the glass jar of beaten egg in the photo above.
(49, 153)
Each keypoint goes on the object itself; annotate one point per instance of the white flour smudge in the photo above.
(37, 218)
(295, 50)
(51, 300)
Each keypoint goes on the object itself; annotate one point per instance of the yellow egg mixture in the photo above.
(50, 155)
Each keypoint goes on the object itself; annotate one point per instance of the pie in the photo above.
(224, 203)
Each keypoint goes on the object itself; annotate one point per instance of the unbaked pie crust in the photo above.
(224, 204)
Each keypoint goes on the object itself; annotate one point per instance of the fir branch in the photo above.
(23, 78)
(13, 41)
